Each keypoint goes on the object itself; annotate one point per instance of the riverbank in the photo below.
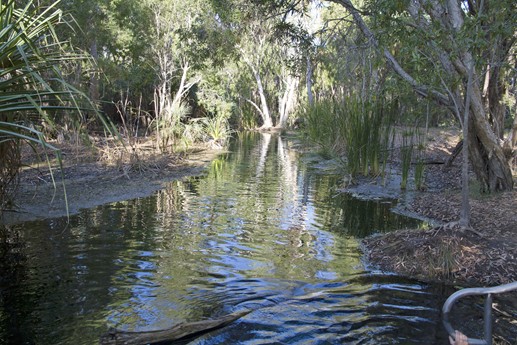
(485, 255)
(94, 176)
(445, 253)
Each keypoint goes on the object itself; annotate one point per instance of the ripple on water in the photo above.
(285, 312)
(260, 231)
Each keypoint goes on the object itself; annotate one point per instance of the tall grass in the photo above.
(406, 153)
(412, 154)
(355, 130)
(320, 120)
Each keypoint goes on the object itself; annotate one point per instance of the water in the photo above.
(263, 230)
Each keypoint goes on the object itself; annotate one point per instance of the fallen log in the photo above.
(178, 332)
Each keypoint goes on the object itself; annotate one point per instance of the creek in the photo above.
(264, 229)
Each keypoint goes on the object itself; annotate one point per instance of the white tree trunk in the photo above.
(266, 116)
(308, 78)
(287, 101)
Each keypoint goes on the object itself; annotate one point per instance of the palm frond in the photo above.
(33, 91)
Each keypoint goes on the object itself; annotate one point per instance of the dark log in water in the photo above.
(178, 332)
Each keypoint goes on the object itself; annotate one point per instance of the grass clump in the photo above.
(412, 153)
(352, 129)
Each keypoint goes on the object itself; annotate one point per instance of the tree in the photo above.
(449, 28)
(266, 53)
(255, 48)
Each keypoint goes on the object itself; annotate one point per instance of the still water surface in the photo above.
(262, 230)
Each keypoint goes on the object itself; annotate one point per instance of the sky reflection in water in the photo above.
(261, 231)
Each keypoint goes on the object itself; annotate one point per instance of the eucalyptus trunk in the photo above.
(267, 122)
(287, 102)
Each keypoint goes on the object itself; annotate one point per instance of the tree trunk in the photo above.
(177, 334)
(486, 154)
(465, 201)
(490, 164)
(310, 96)
(183, 81)
(495, 107)
(287, 101)
(266, 116)
(512, 139)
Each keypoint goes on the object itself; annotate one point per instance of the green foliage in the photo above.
(217, 129)
(420, 163)
(216, 92)
(419, 174)
(350, 128)
(170, 127)
(320, 129)
(412, 153)
(33, 90)
(366, 136)
(192, 131)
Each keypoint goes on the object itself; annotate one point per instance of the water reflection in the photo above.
(259, 231)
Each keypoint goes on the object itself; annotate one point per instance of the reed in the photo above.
(419, 174)
(406, 153)
(320, 129)
(351, 128)
(420, 164)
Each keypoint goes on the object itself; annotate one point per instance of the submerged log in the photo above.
(178, 332)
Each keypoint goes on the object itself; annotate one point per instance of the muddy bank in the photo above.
(90, 182)
(486, 255)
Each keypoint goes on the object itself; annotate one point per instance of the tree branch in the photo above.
(255, 105)
(420, 89)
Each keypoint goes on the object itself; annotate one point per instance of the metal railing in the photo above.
(447, 306)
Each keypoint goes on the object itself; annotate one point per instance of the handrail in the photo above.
(447, 306)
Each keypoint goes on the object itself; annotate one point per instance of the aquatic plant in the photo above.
(322, 121)
(351, 128)
(420, 166)
(217, 129)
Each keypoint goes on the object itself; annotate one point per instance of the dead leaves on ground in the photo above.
(445, 254)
